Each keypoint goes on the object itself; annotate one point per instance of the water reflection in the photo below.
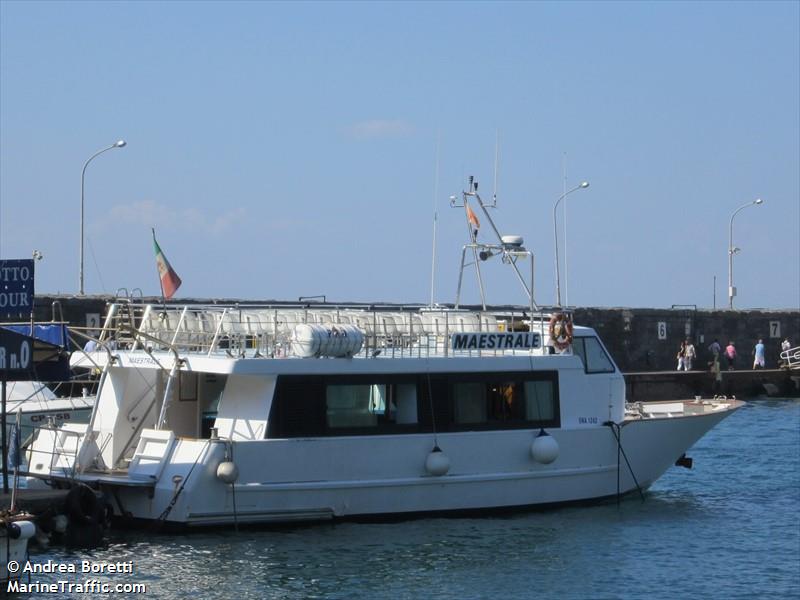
(709, 532)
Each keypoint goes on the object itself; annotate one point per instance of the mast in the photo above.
(510, 248)
(473, 235)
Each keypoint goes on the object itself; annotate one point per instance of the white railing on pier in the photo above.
(791, 357)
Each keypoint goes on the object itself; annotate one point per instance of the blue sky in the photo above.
(290, 149)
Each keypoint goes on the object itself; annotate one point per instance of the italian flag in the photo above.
(472, 217)
(170, 282)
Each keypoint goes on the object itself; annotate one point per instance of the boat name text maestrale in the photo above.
(499, 341)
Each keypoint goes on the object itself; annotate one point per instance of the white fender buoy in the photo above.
(227, 471)
(437, 463)
(544, 448)
(21, 530)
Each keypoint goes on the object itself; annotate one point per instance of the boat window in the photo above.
(298, 408)
(505, 401)
(540, 401)
(595, 359)
(577, 348)
(367, 404)
(470, 402)
(354, 405)
(501, 402)
(412, 403)
(404, 403)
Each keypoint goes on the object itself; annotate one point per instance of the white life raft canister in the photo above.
(312, 339)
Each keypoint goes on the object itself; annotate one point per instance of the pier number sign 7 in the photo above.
(774, 329)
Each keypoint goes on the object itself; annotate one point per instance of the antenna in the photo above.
(566, 268)
(496, 161)
(435, 216)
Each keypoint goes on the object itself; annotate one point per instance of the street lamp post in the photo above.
(733, 250)
(582, 185)
(119, 144)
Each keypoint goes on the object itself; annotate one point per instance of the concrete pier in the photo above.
(36, 501)
(669, 385)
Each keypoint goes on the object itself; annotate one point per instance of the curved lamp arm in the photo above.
(118, 144)
(582, 185)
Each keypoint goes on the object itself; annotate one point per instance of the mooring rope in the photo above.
(163, 516)
(616, 431)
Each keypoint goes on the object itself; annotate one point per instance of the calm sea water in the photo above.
(729, 528)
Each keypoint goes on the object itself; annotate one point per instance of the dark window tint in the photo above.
(386, 404)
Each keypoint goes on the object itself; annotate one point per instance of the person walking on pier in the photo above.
(786, 345)
(681, 356)
(689, 356)
(758, 355)
(730, 355)
(715, 348)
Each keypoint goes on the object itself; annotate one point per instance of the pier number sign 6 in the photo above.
(16, 288)
(662, 330)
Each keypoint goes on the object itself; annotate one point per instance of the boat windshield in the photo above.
(594, 357)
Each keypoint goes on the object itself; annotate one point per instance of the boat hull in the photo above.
(323, 478)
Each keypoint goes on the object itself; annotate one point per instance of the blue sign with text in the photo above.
(16, 356)
(16, 288)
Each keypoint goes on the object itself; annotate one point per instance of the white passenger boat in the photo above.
(208, 415)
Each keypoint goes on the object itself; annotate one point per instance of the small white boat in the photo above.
(38, 405)
(215, 415)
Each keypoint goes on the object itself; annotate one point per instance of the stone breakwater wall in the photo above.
(648, 339)
(639, 339)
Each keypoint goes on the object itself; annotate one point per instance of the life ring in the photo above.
(561, 331)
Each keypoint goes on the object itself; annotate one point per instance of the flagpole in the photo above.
(16, 441)
(160, 283)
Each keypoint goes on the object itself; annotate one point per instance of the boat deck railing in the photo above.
(267, 331)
